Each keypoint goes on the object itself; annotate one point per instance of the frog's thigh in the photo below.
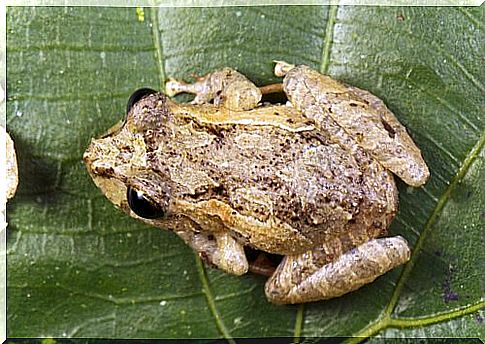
(298, 279)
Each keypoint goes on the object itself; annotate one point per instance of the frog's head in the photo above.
(119, 161)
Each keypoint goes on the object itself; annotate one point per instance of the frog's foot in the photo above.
(174, 87)
(282, 68)
(307, 277)
(414, 171)
(225, 87)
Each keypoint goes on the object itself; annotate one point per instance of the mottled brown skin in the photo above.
(310, 188)
(271, 178)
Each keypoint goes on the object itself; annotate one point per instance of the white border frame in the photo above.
(3, 175)
(143, 3)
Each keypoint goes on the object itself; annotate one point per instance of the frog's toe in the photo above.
(282, 68)
(174, 87)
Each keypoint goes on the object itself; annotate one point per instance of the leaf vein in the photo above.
(443, 200)
(443, 149)
(81, 48)
(237, 294)
(90, 215)
(328, 39)
(211, 302)
(436, 318)
(129, 300)
(158, 46)
(414, 322)
(300, 313)
(443, 102)
(407, 225)
(109, 317)
(431, 48)
(66, 97)
(470, 17)
(430, 195)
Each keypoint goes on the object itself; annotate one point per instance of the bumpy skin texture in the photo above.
(279, 179)
(285, 192)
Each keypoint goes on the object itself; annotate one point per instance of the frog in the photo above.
(310, 181)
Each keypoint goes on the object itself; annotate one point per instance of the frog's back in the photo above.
(292, 179)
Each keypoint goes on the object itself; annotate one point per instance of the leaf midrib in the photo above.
(328, 38)
(158, 45)
(209, 297)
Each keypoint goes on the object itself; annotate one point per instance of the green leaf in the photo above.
(469, 326)
(79, 267)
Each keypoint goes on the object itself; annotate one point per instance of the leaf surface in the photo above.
(79, 267)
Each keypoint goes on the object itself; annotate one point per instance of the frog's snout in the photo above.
(94, 164)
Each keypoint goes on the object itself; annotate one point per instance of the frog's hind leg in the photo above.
(225, 87)
(281, 68)
(316, 275)
(352, 116)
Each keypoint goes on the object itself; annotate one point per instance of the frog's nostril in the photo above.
(136, 96)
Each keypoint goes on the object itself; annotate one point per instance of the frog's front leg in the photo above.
(308, 277)
(218, 249)
(225, 87)
(230, 256)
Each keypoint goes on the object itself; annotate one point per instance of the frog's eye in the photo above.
(142, 205)
(137, 95)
